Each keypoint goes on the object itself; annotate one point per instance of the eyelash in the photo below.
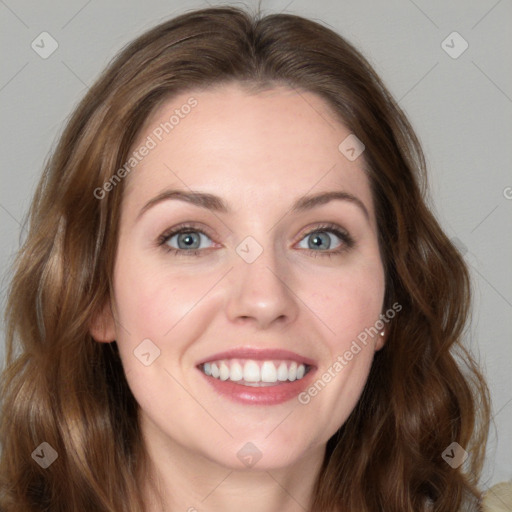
(348, 241)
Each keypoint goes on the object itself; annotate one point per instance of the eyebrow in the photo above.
(217, 204)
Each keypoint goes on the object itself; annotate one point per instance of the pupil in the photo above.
(188, 239)
(317, 240)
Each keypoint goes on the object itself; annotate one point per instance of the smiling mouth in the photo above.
(255, 373)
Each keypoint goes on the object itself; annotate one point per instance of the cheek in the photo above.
(348, 303)
(151, 302)
(350, 306)
(140, 300)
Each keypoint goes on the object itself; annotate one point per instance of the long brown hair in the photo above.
(424, 390)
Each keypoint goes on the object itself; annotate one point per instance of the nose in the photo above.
(262, 292)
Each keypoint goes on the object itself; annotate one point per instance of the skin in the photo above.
(259, 152)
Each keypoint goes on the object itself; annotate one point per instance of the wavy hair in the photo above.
(424, 391)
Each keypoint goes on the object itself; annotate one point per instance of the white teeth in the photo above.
(224, 371)
(292, 372)
(268, 372)
(251, 372)
(237, 372)
(282, 372)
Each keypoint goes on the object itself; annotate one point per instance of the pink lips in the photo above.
(259, 355)
(264, 395)
(268, 395)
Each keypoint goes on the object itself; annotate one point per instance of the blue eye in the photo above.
(321, 237)
(188, 240)
(317, 239)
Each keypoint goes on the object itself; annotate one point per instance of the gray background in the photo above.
(461, 109)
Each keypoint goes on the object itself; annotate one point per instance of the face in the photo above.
(272, 280)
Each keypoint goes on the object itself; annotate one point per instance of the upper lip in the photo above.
(258, 354)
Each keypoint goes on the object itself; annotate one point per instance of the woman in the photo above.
(187, 343)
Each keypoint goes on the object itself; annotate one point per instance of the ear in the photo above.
(381, 339)
(102, 325)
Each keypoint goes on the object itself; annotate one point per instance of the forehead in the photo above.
(274, 145)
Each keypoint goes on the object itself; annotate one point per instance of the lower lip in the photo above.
(264, 395)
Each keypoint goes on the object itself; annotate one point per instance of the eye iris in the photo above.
(188, 239)
(318, 238)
